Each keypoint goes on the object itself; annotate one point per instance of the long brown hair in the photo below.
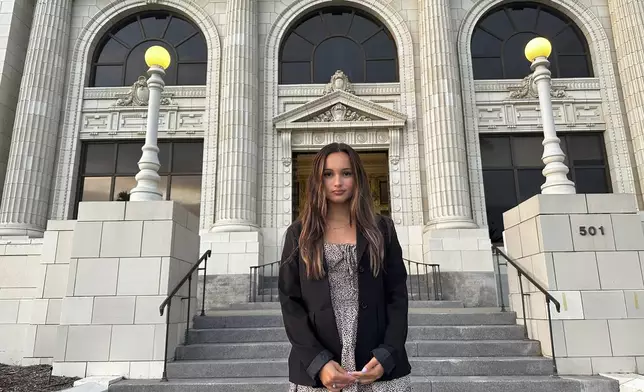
(313, 216)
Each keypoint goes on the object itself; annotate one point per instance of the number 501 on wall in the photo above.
(591, 230)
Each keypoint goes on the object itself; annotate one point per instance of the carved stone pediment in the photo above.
(339, 109)
(340, 112)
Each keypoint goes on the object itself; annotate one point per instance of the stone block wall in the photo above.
(228, 271)
(465, 260)
(40, 340)
(125, 259)
(20, 276)
(588, 252)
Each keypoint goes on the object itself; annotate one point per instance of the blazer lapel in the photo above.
(361, 245)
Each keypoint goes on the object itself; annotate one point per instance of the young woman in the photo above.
(342, 285)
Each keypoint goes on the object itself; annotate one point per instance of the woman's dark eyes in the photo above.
(330, 174)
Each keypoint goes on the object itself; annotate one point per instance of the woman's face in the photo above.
(338, 178)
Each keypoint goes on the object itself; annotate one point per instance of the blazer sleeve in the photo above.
(305, 344)
(397, 305)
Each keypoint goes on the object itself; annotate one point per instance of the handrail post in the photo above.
(420, 295)
(499, 280)
(440, 283)
(188, 311)
(525, 322)
(271, 300)
(427, 281)
(203, 289)
(167, 337)
(552, 342)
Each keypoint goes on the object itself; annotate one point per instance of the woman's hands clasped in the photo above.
(335, 378)
(371, 372)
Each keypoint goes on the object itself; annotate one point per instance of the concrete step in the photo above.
(277, 334)
(274, 319)
(415, 277)
(415, 293)
(419, 384)
(421, 366)
(276, 305)
(463, 348)
(267, 297)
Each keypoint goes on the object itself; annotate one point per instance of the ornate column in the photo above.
(626, 19)
(236, 203)
(445, 151)
(25, 197)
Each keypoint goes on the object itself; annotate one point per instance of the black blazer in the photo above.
(310, 322)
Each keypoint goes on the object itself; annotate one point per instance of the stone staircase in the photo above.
(243, 348)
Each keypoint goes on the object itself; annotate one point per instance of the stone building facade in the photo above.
(435, 95)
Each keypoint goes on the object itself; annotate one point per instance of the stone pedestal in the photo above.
(465, 260)
(228, 271)
(588, 252)
(125, 258)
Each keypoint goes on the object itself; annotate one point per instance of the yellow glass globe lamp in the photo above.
(157, 55)
(538, 47)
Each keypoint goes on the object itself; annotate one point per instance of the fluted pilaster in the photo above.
(445, 149)
(25, 198)
(236, 203)
(626, 18)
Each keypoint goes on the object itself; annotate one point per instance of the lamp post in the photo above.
(555, 171)
(147, 179)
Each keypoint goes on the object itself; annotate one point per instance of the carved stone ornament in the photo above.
(339, 82)
(339, 112)
(528, 89)
(139, 95)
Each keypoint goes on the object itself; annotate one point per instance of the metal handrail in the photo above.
(549, 298)
(436, 278)
(254, 280)
(260, 271)
(168, 303)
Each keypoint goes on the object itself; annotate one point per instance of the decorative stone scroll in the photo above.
(139, 95)
(528, 89)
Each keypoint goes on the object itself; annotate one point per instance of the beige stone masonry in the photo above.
(588, 252)
(125, 258)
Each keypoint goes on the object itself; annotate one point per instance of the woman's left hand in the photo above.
(371, 372)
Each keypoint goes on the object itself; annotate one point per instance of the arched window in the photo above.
(338, 38)
(500, 37)
(119, 57)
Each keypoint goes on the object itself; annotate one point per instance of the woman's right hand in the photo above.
(334, 377)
